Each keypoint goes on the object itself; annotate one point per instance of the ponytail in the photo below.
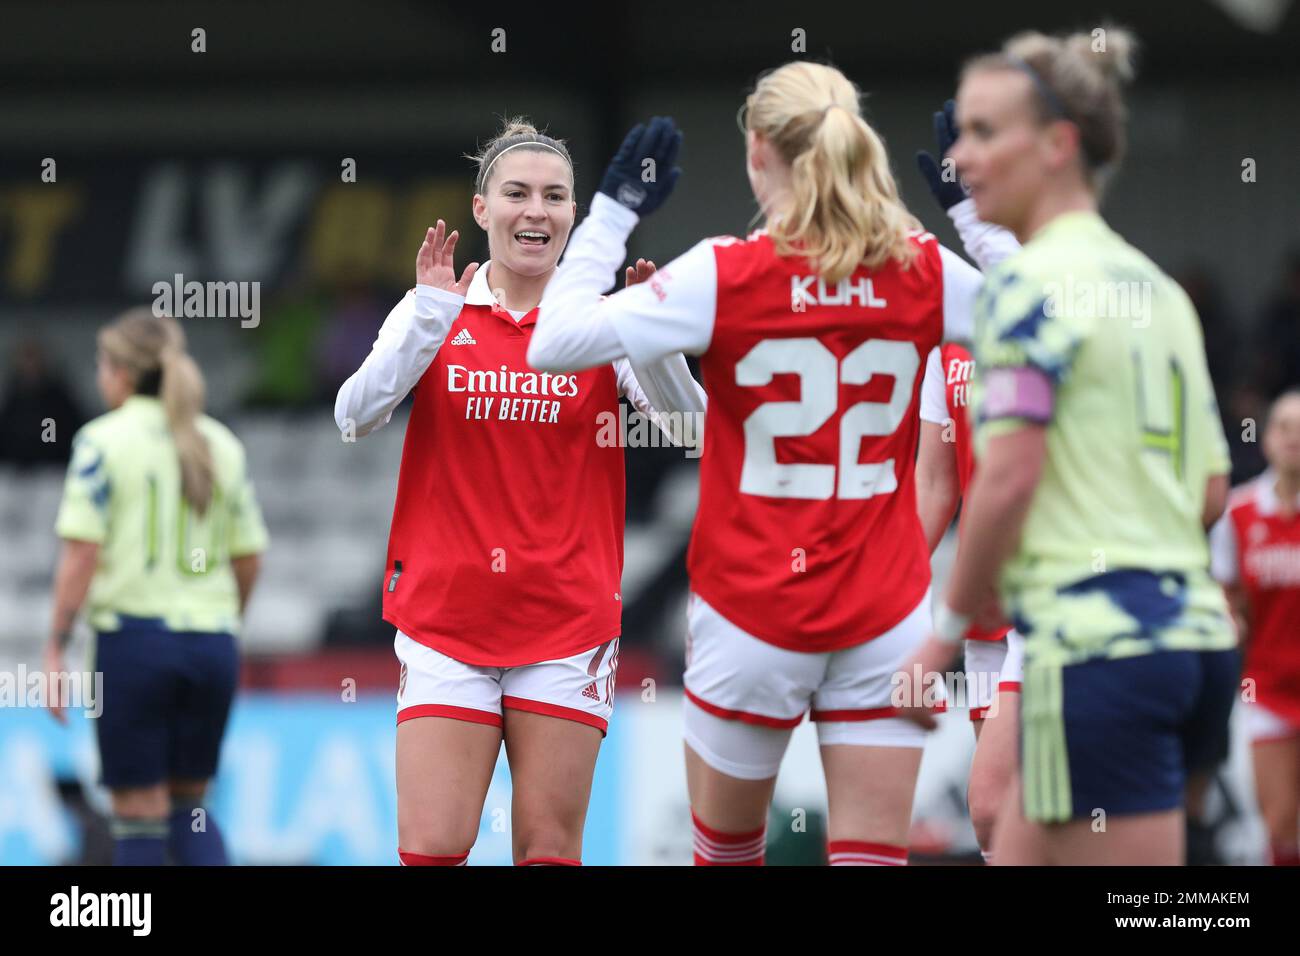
(182, 393)
(152, 349)
(845, 211)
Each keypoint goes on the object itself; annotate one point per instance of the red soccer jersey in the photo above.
(507, 538)
(958, 368)
(807, 534)
(1262, 553)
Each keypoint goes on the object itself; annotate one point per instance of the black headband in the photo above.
(1045, 92)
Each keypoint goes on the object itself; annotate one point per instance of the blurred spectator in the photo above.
(38, 413)
(1279, 333)
(1222, 333)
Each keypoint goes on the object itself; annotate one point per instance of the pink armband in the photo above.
(1017, 393)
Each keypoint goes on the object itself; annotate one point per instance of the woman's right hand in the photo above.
(434, 265)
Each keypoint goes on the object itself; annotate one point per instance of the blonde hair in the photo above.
(1080, 78)
(516, 131)
(846, 211)
(152, 349)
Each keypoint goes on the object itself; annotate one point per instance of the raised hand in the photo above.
(434, 263)
(945, 184)
(643, 270)
(640, 186)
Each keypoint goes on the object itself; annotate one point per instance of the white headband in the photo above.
(487, 172)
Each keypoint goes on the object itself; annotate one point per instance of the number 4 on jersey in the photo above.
(820, 375)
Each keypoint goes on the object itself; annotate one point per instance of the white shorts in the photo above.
(578, 688)
(1263, 724)
(744, 696)
(992, 667)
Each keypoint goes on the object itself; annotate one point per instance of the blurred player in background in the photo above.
(162, 537)
(506, 550)
(1101, 462)
(944, 463)
(809, 571)
(1256, 555)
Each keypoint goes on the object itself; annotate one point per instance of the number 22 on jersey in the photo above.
(820, 375)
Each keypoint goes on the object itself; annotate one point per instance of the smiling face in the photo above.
(1007, 157)
(527, 210)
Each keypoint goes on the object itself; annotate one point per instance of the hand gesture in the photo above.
(434, 265)
(639, 273)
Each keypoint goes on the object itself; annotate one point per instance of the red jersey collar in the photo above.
(480, 293)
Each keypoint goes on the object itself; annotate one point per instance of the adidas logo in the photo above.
(463, 338)
(591, 691)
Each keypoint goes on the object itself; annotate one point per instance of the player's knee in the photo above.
(1281, 822)
(141, 803)
(546, 839)
(985, 803)
(437, 838)
(187, 789)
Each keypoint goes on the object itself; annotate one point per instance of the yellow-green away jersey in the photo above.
(157, 557)
(1113, 560)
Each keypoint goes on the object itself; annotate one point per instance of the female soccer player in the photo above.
(1101, 460)
(809, 571)
(1256, 555)
(161, 529)
(993, 650)
(944, 463)
(506, 549)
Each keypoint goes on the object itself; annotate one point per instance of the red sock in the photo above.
(1284, 855)
(858, 853)
(713, 848)
(421, 859)
(549, 861)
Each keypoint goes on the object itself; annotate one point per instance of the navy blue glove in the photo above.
(624, 181)
(946, 192)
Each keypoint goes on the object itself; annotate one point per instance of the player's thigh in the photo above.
(448, 739)
(996, 755)
(134, 730)
(869, 792)
(870, 755)
(210, 677)
(1144, 839)
(556, 714)
(552, 763)
(744, 697)
(1016, 840)
(444, 769)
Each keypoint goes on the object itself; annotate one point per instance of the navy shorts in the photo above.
(1121, 736)
(167, 695)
